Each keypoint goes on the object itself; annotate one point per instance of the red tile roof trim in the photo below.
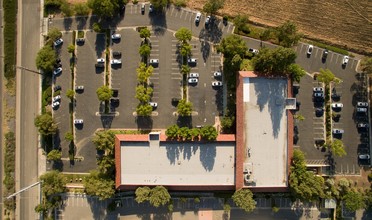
(163, 137)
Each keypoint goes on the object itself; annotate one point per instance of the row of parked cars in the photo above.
(325, 53)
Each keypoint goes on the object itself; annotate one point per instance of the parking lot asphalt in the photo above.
(62, 113)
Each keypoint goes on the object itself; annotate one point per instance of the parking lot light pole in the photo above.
(28, 69)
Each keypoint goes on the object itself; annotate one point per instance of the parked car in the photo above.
(337, 131)
(318, 89)
(253, 51)
(217, 74)
(364, 157)
(57, 88)
(207, 20)
(100, 60)
(319, 112)
(361, 110)
(80, 40)
(78, 121)
(79, 88)
(116, 54)
(143, 8)
(193, 80)
(345, 60)
(217, 83)
(151, 8)
(363, 125)
(56, 65)
(153, 104)
(55, 104)
(194, 75)
(192, 60)
(56, 98)
(154, 62)
(58, 42)
(197, 18)
(362, 104)
(318, 94)
(57, 71)
(337, 105)
(309, 49)
(58, 60)
(115, 61)
(325, 54)
(116, 36)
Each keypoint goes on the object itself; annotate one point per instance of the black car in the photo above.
(57, 65)
(319, 112)
(324, 55)
(58, 60)
(57, 88)
(116, 54)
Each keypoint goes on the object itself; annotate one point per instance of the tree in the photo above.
(145, 33)
(104, 93)
(71, 48)
(144, 51)
(97, 184)
(194, 132)
(53, 183)
(46, 59)
(185, 69)
(54, 34)
(212, 6)
(144, 110)
(159, 196)
(296, 72)
(105, 140)
(172, 131)
(353, 200)
(184, 108)
(143, 94)
(209, 132)
(46, 124)
(69, 136)
(287, 34)
(337, 147)
(183, 132)
(54, 155)
(304, 185)
(103, 8)
(142, 194)
(243, 198)
(159, 4)
(227, 122)
(326, 77)
(241, 23)
(232, 45)
(183, 35)
(81, 9)
(106, 165)
(366, 65)
(66, 9)
(185, 49)
(276, 61)
(144, 72)
(70, 94)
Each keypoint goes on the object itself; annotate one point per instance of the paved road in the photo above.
(28, 85)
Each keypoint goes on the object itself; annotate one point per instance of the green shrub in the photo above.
(10, 21)
(180, 3)
(80, 34)
(47, 96)
(97, 28)
(135, 2)
(370, 177)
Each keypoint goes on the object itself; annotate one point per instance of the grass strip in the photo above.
(10, 37)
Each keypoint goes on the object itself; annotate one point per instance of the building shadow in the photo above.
(144, 122)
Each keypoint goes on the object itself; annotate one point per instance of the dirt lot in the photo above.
(343, 22)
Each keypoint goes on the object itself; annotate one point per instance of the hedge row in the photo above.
(10, 21)
(9, 169)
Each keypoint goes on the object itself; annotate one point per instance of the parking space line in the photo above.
(181, 14)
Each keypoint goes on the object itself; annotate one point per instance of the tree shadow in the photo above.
(144, 122)
(81, 22)
(207, 156)
(205, 49)
(184, 121)
(218, 100)
(158, 21)
(58, 165)
(98, 210)
(56, 140)
(106, 121)
(100, 44)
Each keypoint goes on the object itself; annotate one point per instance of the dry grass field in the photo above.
(341, 22)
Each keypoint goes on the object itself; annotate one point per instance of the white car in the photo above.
(345, 60)
(100, 60)
(58, 42)
(115, 61)
(361, 110)
(55, 104)
(337, 131)
(318, 89)
(153, 104)
(194, 75)
(78, 121)
(154, 61)
(254, 51)
(116, 36)
(217, 74)
(364, 156)
(337, 105)
(197, 18)
(217, 83)
(207, 20)
(193, 80)
(56, 98)
(57, 71)
(151, 8)
(363, 125)
(310, 49)
(192, 60)
(79, 88)
(362, 104)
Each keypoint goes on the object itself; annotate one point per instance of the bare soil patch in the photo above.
(341, 22)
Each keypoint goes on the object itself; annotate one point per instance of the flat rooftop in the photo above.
(171, 163)
(265, 131)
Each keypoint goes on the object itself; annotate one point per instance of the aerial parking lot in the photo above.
(205, 89)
